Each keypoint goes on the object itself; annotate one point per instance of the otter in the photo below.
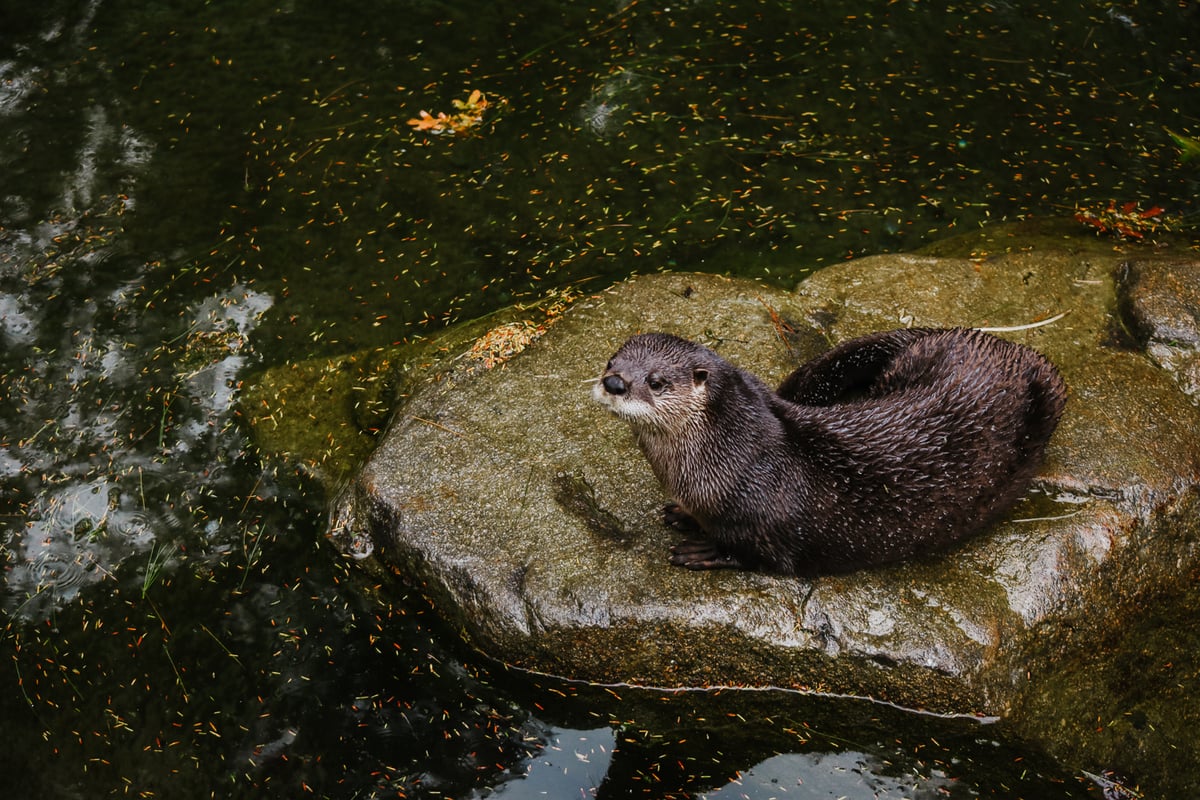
(885, 447)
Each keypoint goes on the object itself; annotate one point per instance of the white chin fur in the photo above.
(620, 405)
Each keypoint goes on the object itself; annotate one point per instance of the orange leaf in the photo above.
(428, 122)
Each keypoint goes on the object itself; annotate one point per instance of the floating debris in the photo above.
(1125, 220)
(503, 342)
(470, 114)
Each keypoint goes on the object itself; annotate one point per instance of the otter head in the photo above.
(657, 382)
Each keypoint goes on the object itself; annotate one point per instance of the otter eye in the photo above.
(656, 383)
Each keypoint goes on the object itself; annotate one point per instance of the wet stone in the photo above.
(1161, 308)
(532, 522)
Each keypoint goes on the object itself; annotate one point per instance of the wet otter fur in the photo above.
(884, 447)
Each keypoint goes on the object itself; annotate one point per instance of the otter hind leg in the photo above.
(702, 554)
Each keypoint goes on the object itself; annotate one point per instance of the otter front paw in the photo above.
(701, 554)
(680, 520)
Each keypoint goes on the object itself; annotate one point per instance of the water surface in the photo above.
(192, 191)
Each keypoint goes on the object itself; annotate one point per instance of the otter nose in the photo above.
(614, 384)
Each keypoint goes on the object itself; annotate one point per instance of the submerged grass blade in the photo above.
(1189, 146)
(160, 553)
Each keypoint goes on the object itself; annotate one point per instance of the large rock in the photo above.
(529, 517)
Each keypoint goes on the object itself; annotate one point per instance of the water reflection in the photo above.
(117, 412)
(15, 86)
(62, 547)
(848, 775)
(116, 455)
(570, 763)
(576, 763)
(15, 322)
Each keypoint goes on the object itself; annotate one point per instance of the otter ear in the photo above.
(699, 376)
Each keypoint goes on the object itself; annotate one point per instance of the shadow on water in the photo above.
(193, 190)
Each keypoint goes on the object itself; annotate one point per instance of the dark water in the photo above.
(190, 191)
